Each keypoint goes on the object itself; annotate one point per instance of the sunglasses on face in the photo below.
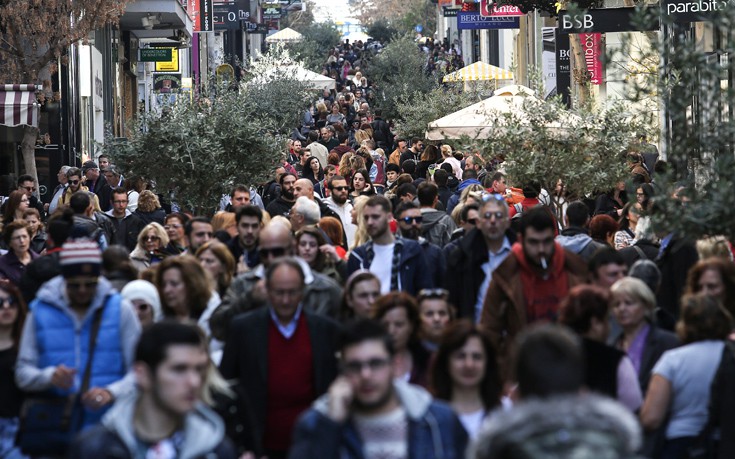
(498, 215)
(78, 285)
(8, 303)
(274, 252)
(74, 182)
(29, 188)
(151, 238)
(472, 221)
(410, 220)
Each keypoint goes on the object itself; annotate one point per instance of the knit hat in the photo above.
(144, 291)
(80, 258)
(88, 165)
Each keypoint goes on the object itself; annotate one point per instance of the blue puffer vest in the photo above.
(59, 342)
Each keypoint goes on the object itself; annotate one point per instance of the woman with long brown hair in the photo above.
(466, 374)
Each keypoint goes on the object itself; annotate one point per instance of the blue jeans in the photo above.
(8, 432)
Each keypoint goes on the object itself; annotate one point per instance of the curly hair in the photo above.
(148, 201)
(726, 270)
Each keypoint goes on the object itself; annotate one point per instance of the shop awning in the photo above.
(479, 71)
(18, 105)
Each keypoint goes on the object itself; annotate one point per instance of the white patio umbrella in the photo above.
(287, 35)
(312, 79)
(476, 121)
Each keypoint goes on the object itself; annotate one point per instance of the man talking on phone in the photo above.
(367, 413)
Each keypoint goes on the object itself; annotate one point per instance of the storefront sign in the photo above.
(488, 8)
(449, 12)
(591, 43)
(227, 16)
(475, 21)
(171, 65)
(563, 67)
(200, 12)
(166, 82)
(252, 27)
(272, 11)
(602, 21)
(155, 55)
(693, 10)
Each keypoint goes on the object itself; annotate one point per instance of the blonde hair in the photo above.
(714, 246)
(223, 221)
(446, 151)
(361, 235)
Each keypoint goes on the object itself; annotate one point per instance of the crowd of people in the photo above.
(378, 297)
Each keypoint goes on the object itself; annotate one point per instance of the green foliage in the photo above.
(199, 149)
(696, 198)
(429, 106)
(399, 69)
(319, 38)
(544, 142)
(382, 31)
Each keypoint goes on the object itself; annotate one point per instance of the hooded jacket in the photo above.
(114, 437)
(454, 199)
(434, 431)
(437, 226)
(504, 313)
(577, 241)
(569, 426)
(31, 374)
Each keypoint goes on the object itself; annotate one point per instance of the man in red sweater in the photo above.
(282, 355)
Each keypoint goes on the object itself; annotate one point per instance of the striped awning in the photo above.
(18, 105)
(479, 71)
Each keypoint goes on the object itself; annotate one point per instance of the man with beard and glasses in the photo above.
(282, 205)
(370, 413)
(338, 201)
(531, 282)
(409, 219)
(398, 263)
(165, 418)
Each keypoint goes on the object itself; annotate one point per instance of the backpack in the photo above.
(269, 192)
(515, 221)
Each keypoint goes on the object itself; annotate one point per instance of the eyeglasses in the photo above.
(498, 215)
(472, 221)
(410, 220)
(355, 367)
(433, 293)
(29, 188)
(78, 285)
(273, 251)
(151, 238)
(340, 188)
(8, 303)
(174, 226)
(74, 182)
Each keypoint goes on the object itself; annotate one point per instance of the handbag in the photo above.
(49, 423)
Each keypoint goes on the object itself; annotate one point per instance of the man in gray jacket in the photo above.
(247, 291)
